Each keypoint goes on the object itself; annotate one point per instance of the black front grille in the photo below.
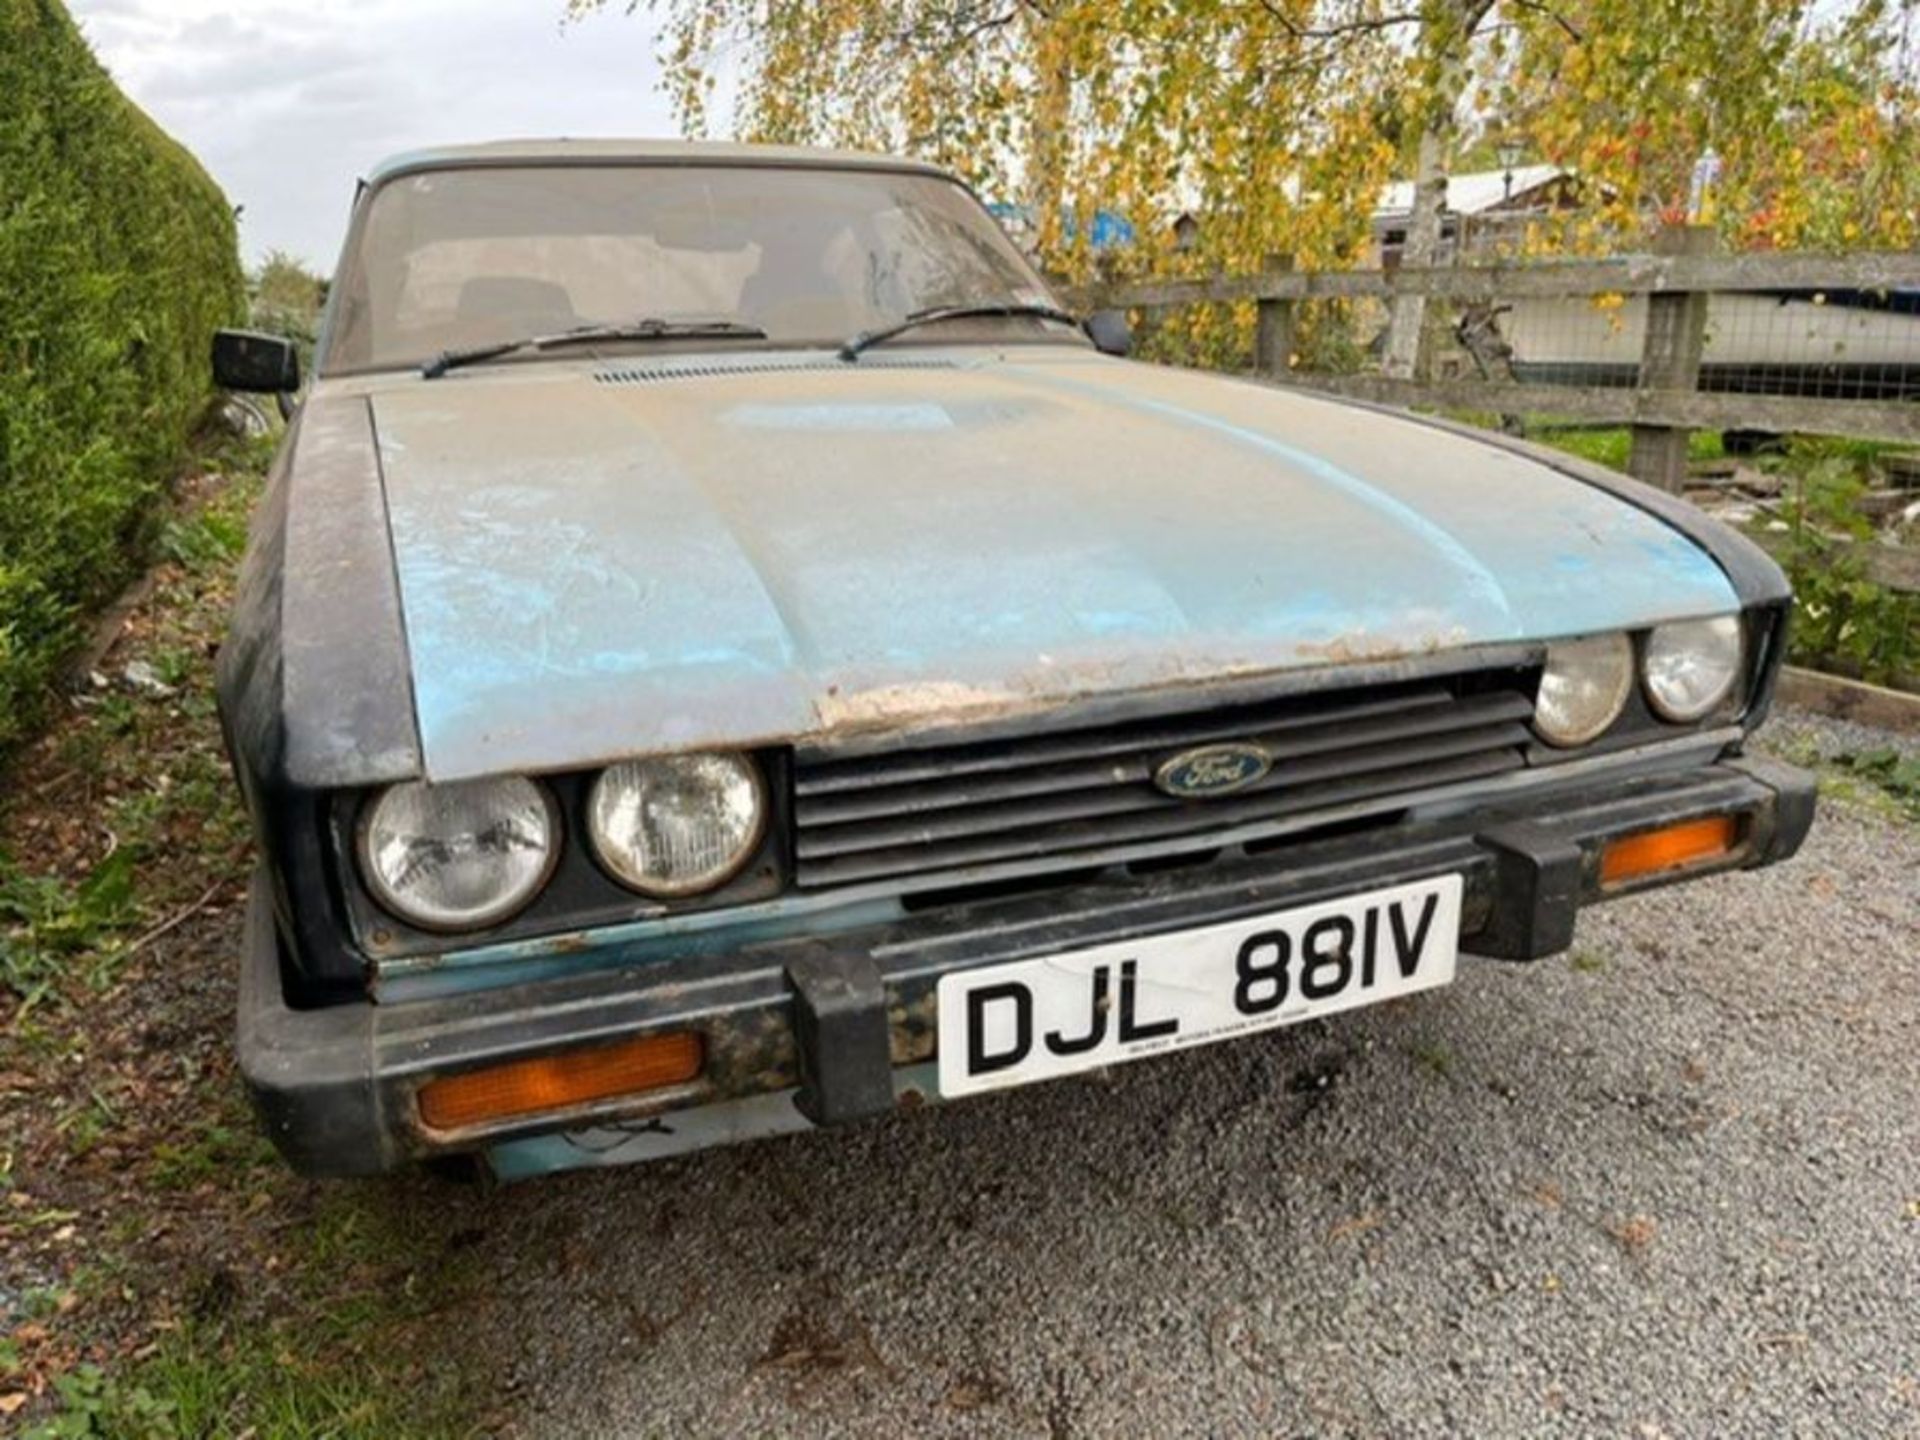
(1064, 793)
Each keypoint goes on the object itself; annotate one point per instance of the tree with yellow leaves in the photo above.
(1278, 122)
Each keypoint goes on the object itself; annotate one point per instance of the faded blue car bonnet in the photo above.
(719, 553)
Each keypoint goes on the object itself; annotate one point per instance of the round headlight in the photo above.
(1583, 688)
(459, 856)
(1692, 665)
(677, 824)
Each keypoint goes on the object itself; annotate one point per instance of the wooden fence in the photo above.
(1664, 404)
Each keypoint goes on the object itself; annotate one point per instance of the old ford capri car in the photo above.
(722, 653)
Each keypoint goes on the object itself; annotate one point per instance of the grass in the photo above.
(1840, 782)
(1612, 445)
(218, 1378)
(162, 1275)
(1882, 781)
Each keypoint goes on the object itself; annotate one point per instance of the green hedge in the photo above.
(117, 261)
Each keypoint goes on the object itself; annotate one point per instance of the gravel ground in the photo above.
(1667, 1185)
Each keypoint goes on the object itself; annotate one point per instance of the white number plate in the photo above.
(1034, 1019)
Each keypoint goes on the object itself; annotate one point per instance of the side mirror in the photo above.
(261, 364)
(1111, 332)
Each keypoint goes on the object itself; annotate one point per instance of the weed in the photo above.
(215, 1378)
(94, 1404)
(1883, 780)
(1844, 621)
(174, 665)
(224, 1379)
(51, 926)
(217, 1153)
(86, 1125)
(1895, 775)
(1434, 1056)
(1587, 962)
(204, 539)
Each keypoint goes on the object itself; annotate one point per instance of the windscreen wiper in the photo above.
(852, 348)
(587, 334)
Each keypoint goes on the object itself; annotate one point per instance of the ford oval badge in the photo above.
(1213, 770)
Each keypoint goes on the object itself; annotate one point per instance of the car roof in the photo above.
(563, 151)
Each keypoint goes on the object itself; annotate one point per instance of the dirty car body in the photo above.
(673, 733)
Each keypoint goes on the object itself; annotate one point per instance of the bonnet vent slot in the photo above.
(664, 371)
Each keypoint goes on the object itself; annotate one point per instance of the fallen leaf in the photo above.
(1359, 1225)
(1633, 1235)
(12, 1401)
(971, 1394)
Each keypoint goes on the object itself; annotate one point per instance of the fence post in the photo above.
(1670, 360)
(1273, 335)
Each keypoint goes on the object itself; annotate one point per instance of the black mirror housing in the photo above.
(261, 364)
(1111, 332)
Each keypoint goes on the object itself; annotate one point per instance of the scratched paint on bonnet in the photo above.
(592, 571)
(839, 419)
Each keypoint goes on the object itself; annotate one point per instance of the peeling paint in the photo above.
(895, 705)
(1352, 649)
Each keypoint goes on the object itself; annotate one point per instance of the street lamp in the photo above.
(1509, 151)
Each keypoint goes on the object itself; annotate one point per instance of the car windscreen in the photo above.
(449, 259)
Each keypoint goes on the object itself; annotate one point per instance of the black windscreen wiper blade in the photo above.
(587, 334)
(852, 348)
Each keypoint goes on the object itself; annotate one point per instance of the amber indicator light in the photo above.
(555, 1082)
(1671, 847)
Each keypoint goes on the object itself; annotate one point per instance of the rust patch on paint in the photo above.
(910, 704)
(1349, 649)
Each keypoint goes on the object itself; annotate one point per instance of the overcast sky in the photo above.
(288, 103)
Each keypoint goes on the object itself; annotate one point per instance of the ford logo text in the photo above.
(1213, 770)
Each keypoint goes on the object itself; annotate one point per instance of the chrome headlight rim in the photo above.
(1660, 703)
(651, 887)
(494, 916)
(1626, 672)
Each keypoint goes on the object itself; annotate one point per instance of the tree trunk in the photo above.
(1446, 35)
(1048, 132)
(1408, 314)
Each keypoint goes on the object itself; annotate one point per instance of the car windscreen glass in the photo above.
(450, 259)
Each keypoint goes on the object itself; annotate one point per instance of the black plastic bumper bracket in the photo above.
(1539, 882)
(840, 1026)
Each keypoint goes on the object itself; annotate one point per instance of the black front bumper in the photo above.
(833, 1016)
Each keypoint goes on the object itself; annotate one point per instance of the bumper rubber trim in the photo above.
(840, 1026)
(1539, 882)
